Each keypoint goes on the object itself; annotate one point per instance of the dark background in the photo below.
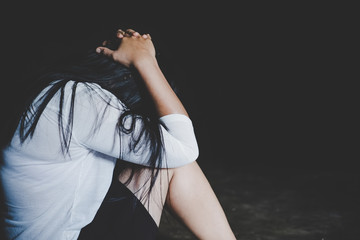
(270, 87)
(266, 84)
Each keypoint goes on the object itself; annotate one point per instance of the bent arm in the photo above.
(95, 128)
(180, 145)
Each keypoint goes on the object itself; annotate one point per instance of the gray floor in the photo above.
(283, 204)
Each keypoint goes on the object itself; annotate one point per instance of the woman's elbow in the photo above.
(194, 153)
(182, 156)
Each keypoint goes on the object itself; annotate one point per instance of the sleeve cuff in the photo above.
(175, 117)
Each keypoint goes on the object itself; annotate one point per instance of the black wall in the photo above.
(264, 83)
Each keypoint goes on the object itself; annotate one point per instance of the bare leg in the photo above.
(188, 195)
(193, 201)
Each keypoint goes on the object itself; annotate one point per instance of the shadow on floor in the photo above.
(283, 205)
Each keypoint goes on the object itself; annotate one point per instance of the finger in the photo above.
(120, 33)
(108, 43)
(146, 36)
(105, 51)
(130, 32)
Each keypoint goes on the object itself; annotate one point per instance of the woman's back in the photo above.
(48, 191)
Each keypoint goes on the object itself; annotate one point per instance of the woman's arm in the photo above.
(96, 115)
(138, 51)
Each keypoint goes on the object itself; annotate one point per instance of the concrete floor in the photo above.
(283, 204)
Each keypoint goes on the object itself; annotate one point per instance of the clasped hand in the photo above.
(133, 49)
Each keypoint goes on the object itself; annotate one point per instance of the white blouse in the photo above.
(52, 195)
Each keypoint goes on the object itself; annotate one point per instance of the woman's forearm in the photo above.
(165, 99)
(138, 51)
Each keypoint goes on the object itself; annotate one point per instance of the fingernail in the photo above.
(98, 50)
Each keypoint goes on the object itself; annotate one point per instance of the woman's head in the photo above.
(123, 82)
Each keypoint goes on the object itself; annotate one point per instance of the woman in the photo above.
(110, 119)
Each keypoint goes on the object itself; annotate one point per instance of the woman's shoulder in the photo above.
(84, 88)
(90, 91)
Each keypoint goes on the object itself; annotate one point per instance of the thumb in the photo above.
(105, 51)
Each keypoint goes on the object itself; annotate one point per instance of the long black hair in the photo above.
(124, 83)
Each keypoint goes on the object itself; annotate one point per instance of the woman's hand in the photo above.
(133, 49)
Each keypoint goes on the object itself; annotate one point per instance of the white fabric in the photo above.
(50, 195)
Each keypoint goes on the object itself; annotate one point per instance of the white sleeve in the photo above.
(95, 127)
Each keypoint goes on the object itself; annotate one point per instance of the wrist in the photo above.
(145, 62)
